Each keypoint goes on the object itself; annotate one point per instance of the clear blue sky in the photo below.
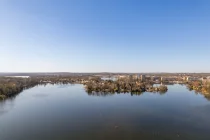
(105, 35)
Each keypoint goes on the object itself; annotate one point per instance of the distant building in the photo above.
(185, 78)
(136, 76)
(121, 76)
(143, 78)
(208, 79)
(130, 77)
(193, 78)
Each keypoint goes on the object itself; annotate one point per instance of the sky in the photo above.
(104, 36)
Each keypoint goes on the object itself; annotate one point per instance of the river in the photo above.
(67, 112)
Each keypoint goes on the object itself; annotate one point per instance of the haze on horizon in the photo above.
(104, 36)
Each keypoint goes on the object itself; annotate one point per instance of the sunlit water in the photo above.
(67, 112)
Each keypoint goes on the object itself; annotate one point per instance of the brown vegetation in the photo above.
(123, 86)
(200, 87)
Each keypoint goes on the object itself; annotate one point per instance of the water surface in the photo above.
(67, 112)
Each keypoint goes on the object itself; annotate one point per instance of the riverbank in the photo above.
(200, 88)
(10, 86)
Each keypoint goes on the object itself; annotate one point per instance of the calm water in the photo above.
(67, 112)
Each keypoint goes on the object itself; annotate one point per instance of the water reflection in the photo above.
(93, 93)
(100, 94)
(207, 96)
(7, 105)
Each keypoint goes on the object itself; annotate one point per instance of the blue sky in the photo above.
(104, 35)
